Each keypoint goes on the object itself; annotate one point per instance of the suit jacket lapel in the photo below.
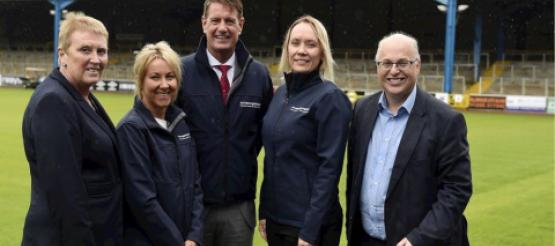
(100, 117)
(108, 125)
(411, 135)
(369, 113)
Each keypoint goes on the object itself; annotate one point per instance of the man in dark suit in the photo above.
(408, 179)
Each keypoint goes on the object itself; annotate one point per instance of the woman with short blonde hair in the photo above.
(71, 146)
(160, 169)
(148, 53)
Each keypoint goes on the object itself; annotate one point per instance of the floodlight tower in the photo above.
(450, 31)
(59, 5)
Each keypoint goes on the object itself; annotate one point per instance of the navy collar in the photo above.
(297, 82)
(241, 53)
(172, 114)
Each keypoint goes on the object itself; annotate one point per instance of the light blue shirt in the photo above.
(382, 150)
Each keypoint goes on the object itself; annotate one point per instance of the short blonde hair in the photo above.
(77, 21)
(326, 68)
(149, 53)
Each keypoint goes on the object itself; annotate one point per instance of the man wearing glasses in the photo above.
(408, 173)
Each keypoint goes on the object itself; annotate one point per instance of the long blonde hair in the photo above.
(326, 68)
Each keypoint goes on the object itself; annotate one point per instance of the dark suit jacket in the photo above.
(430, 183)
(76, 193)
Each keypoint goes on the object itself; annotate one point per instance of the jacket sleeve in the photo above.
(332, 116)
(140, 188)
(197, 224)
(350, 172)
(267, 96)
(57, 142)
(268, 92)
(180, 100)
(455, 186)
(266, 99)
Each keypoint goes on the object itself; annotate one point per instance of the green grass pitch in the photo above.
(512, 166)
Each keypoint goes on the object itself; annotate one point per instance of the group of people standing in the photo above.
(181, 166)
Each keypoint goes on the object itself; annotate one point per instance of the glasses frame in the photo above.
(398, 64)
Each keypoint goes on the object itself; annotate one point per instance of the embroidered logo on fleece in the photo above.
(249, 105)
(183, 137)
(299, 109)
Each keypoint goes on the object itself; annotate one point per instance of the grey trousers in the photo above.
(229, 225)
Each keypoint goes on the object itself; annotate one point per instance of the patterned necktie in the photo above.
(224, 82)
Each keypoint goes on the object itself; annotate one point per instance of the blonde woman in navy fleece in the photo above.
(161, 177)
(304, 134)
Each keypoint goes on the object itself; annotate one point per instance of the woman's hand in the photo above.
(262, 229)
(190, 243)
(303, 243)
(404, 242)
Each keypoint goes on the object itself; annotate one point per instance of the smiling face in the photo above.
(222, 26)
(159, 87)
(398, 83)
(84, 60)
(304, 51)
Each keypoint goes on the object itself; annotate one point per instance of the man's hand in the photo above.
(303, 243)
(190, 243)
(262, 229)
(404, 242)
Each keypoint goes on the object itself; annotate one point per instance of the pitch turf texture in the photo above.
(512, 166)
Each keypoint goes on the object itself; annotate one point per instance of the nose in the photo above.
(394, 68)
(95, 58)
(165, 83)
(302, 49)
(221, 27)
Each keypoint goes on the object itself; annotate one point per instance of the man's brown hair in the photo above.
(235, 4)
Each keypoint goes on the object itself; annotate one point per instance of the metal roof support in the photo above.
(59, 5)
(500, 48)
(450, 28)
(477, 43)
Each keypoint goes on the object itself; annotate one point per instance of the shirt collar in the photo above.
(214, 62)
(406, 106)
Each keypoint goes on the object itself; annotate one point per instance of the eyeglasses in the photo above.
(401, 64)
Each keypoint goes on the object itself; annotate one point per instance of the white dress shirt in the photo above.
(232, 61)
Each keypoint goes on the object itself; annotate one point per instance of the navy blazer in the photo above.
(430, 183)
(161, 179)
(76, 193)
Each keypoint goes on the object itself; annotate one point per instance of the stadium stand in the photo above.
(528, 74)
